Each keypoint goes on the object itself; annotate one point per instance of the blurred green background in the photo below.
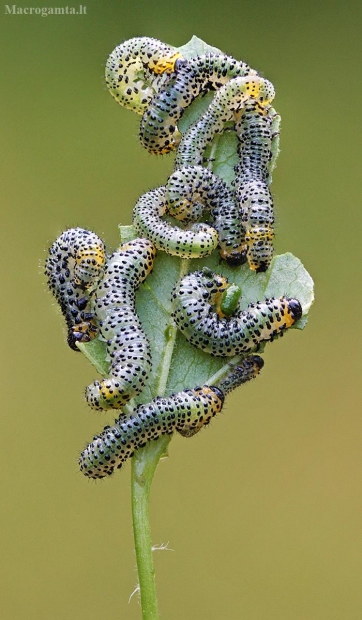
(263, 509)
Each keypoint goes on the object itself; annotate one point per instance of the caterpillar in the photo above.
(137, 68)
(193, 313)
(159, 133)
(228, 101)
(74, 265)
(247, 369)
(114, 308)
(191, 191)
(257, 129)
(186, 412)
(198, 241)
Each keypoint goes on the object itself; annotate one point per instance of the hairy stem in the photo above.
(144, 463)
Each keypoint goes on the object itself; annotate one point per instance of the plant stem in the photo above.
(144, 463)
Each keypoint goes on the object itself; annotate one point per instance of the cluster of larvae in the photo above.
(97, 291)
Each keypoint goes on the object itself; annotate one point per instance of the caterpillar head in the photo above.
(235, 258)
(295, 309)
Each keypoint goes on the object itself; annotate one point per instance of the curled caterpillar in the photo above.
(136, 69)
(191, 191)
(193, 298)
(74, 265)
(159, 132)
(199, 240)
(228, 101)
(186, 412)
(224, 297)
(127, 344)
(257, 128)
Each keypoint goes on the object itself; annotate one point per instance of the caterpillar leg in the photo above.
(73, 267)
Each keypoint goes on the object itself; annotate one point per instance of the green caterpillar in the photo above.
(75, 265)
(127, 345)
(137, 69)
(159, 133)
(199, 240)
(258, 131)
(186, 412)
(191, 191)
(229, 300)
(193, 299)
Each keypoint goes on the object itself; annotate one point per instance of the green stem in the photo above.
(144, 463)
(224, 370)
(214, 145)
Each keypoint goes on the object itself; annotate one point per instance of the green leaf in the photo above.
(177, 364)
(96, 352)
(197, 47)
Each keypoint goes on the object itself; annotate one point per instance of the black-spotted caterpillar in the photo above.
(127, 345)
(237, 83)
(258, 131)
(136, 69)
(151, 78)
(96, 296)
(159, 132)
(189, 193)
(227, 102)
(200, 240)
(193, 299)
(186, 412)
(193, 190)
(74, 266)
(191, 182)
